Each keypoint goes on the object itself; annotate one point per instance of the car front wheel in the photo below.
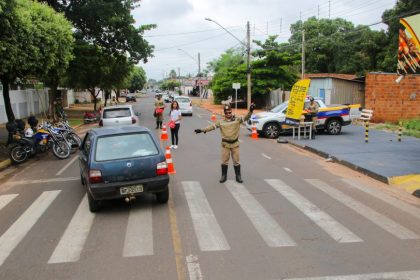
(334, 127)
(272, 130)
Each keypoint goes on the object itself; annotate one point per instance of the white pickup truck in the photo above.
(330, 118)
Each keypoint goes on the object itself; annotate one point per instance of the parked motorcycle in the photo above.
(92, 117)
(43, 139)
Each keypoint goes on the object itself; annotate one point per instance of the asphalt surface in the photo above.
(383, 157)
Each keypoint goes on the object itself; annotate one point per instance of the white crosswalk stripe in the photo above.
(73, 239)
(139, 234)
(336, 230)
(11, 238)
(401, 275)
(380, 220)
(415, 211)
(209, 234)
(266, 226)
(6, 199)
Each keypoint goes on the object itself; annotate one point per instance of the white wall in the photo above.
(24, 103)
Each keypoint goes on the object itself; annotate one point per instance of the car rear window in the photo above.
(117, 113)
(183, 100)
(125, 146)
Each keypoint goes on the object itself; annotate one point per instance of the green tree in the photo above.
(170, 85)
(137, 79)
(172, 74)
(34, 41)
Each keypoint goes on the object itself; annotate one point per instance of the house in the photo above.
(337, 88)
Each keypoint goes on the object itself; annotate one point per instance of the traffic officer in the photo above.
(158, 113)
(312, 110)
(229, 130)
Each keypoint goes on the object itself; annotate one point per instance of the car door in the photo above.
(84, 155)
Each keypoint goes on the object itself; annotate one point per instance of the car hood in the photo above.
(263, 115)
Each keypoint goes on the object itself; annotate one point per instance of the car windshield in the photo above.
(183, 100)
(279, 108)
(125, 146)
(117, 113)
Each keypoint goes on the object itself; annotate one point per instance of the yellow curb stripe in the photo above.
(409, 183)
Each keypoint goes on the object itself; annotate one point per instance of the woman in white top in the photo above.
(176, 118)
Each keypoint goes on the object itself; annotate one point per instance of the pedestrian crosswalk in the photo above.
(138, 235)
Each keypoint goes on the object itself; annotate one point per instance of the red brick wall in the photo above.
(390, 101)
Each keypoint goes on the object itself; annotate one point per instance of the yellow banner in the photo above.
(297, 101)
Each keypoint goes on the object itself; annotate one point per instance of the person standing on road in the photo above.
(159, 107)
(312, 114)
(229, 130)
(175, 117)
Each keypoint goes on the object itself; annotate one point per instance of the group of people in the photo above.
(174, 118)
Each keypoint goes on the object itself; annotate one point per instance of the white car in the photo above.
(118, 115)
(185, 105)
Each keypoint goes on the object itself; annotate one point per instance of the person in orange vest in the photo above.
(229, 130)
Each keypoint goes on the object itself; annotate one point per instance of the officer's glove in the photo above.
(198, 130)
(252, 107)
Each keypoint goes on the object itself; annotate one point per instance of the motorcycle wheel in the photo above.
(61, 150)
(74, 141)
(18, 154)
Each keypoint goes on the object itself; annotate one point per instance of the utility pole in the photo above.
(303, 54)
(248, 68)
(199, 78)
(329, 8)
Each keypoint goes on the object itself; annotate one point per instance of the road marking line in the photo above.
(264, 155)
(194, 269)
(210, 122)
(199, 115)
(266, 226)
(41, 181)
(176, 239)
(333, 228)
(66, 166)
(380, 220)
(139, 233)
(71, 243)
(406, 275)
(209, 234)
(386, 198)
(288, 170)
(6, 199)
(241, 141)
(11, 238)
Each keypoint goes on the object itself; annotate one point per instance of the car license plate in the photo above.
(131, 189)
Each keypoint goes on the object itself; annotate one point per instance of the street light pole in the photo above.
(248, 52)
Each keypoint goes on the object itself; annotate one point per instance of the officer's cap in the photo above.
(227, 108)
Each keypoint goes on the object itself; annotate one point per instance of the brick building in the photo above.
(392, 101)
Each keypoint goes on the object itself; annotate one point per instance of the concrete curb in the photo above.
(5, 163)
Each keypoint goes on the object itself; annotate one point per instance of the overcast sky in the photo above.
(182, 32)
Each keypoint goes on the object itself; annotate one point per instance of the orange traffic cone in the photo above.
(213, 117)
(164, 134)
(168, 152)
(169, 162)
(254, 134)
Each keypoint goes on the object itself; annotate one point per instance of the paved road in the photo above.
(296, 216)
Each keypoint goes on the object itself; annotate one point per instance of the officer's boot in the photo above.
(238, 173)
(224, 173)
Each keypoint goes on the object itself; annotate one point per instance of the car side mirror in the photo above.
(137, 114)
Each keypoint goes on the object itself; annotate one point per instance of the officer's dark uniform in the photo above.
(229, 130)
